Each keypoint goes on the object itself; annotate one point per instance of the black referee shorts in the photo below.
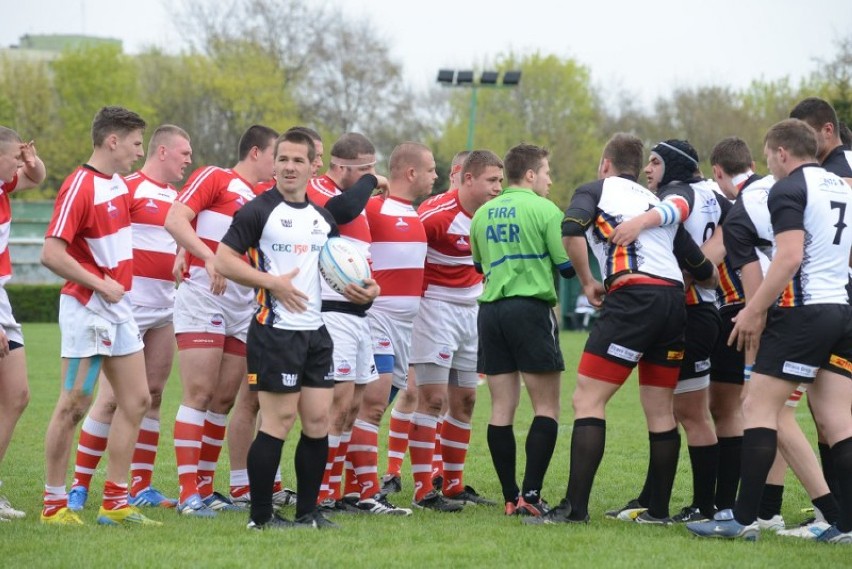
(518, 334)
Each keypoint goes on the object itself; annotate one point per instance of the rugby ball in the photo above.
(341, 263)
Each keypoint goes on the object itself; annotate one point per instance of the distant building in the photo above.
(47, 47)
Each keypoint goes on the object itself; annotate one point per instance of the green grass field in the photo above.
(475, 537)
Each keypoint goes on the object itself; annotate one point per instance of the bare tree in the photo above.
(339, 72)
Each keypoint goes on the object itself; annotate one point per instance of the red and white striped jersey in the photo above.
(92, 215)
(215, 195)
(154, 248)
(449, 274)
(399, 253)
(320, 190)
(5, 227)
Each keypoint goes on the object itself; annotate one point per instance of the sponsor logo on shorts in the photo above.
(623, 353)
(703, 365)
(802, 370)
(329, 376)
(217, 321)
(104, 337)
(674, 355)
(444, 354)
(842, 363)
(289, 379)
(344, 368)
(252, 379)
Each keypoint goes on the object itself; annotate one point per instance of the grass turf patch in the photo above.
(478, 536)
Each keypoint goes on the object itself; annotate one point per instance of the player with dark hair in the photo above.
(831, 152)
(516, 241)
(88, 243)
(835, 158)
(687, 198)
(211, 318)
(152, 298)
(243, 422)
(801, 318)
(283, 233)
(641, 323)
(748, 250)
(733, 171)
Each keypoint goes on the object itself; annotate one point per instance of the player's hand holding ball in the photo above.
(362, 294)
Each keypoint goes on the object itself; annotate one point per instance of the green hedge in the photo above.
(34, 303)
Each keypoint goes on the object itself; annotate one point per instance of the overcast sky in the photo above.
(644, 48)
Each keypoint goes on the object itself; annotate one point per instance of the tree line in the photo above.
(287, 62)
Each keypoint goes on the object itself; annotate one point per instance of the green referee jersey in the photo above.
(516, 239)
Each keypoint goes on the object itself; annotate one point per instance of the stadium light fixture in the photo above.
(467, 79)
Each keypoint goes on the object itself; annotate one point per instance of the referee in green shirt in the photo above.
(516, 241)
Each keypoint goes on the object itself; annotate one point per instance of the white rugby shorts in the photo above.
(7, 319)
(392, 337)
(148, 318)
(196, 312)
(353, 347)
(445, 334)
(86, 334)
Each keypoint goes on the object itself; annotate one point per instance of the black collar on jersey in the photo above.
(806, 165)
(297, 205)
(95, 170)
(630, 177)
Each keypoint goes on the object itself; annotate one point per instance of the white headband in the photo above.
(350, 163)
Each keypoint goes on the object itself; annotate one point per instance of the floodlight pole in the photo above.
(472, 120)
